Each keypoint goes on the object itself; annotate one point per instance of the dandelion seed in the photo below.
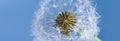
(65, 21)
(78, 20)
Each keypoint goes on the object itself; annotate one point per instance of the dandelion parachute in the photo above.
(81, 26)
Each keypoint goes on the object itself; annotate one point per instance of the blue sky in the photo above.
(110, 19)
(16, 18)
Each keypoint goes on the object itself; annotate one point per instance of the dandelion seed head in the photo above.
(52, 19)
(65, 21)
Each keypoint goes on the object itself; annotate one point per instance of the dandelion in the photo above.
(56, 19)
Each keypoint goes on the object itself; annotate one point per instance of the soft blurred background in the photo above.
(16, 19)
(110, 19)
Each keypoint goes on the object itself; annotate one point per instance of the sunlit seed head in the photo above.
(65, 22)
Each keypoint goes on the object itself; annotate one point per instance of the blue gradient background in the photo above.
(16, 19)
(110, 19)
